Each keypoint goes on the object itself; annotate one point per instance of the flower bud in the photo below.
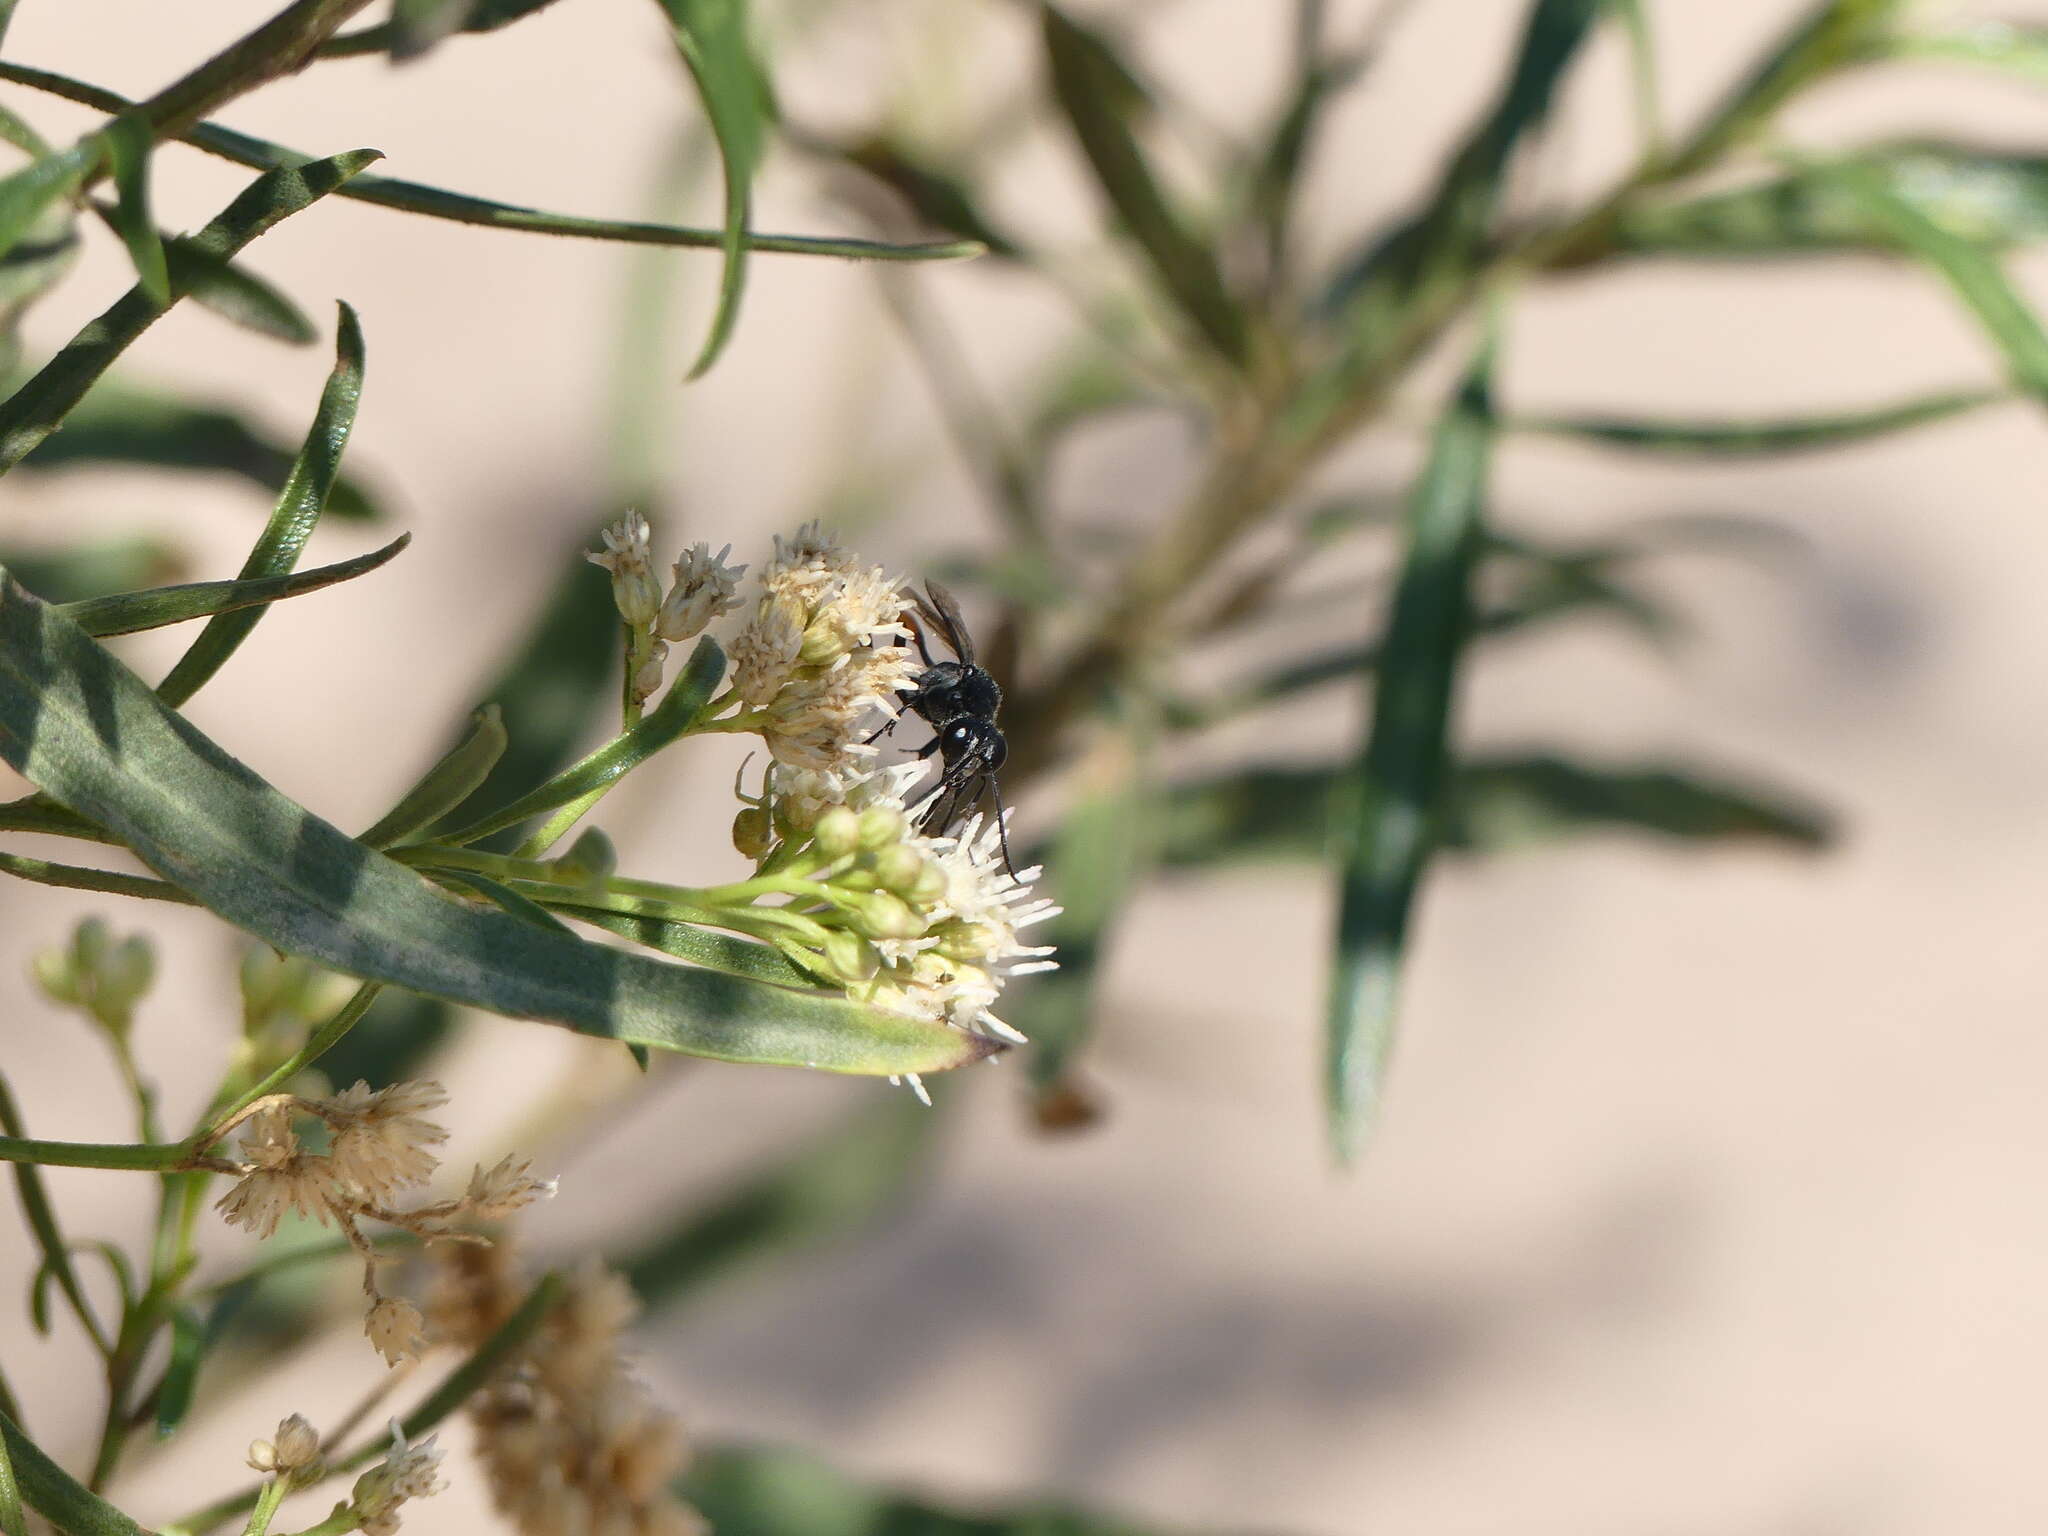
(930, 886)
(753, 832)
(837, 832)
(881, 825)
(56, 975)
(590, 859)
(648, 674)
(851, 957)
(703, 590)
(628, 555)
(899, 868)
(885, 916)
(967, 941)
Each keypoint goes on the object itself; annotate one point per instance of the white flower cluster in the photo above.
(819, 656)
(378, 1151)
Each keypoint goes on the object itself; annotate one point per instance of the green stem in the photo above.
(276, 48)
(42, 1222)
(147, 1157)
(268, 1497)
(340, 1520)
(321, 1041)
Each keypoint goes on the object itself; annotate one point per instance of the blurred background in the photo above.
(1700, 1201)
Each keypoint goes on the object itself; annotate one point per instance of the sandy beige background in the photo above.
(1708, 1198)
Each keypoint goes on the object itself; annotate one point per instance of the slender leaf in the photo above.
(1761, 435)
(27, 194)
(1971, 271)
(939, 197)
(1384, 839)
(96, 569)
(57, 1496)
(1441, 244)
(237, 294)
(87, 731)
(1092, 86)
(712, 37)
(12, 1521)
(129, 613)
(1987, 197)
(49, 1237)
(760, 1492)
(663, 724)
(503, 897)
(120, 422)
(39, 407)
(446, 785)
(33, 265)
(2009, 47)
(1642, 61)
(417, 25)
(181, 1376)
(298, 509)
(436, 202)
(129, 143)
(1491, 805)
(833, 1186)
(704, 947)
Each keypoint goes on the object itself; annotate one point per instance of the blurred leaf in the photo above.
(119, 422)
(417, 25)
(1971, 271)
(127, 613)
(833, 1186)
(712, 36)
(33, 265)
(41, 1219)
(757, 1492)
(1642, 68)
(292, 522)
(1983, 196)
(236, 294)
(1100, 854)
(88, 732)
(1384, 837)
(1441, 245)
(1761, 435)
(1094, 89)
(97, 569)
(2011, 48)
(940, 199)
(438, 203)
(26, 195)
(13, 1520)
(1830, 36)
(57, 1496)
(1492, 804)
(181, 1376)
(129, 142)
(446, 785)
(39, 407)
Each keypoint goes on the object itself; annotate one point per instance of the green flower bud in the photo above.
(56, 975)
(590, 859)
(89, 944)
(899, 868)
(753, 832)
(967, 941)
(851, 957)
(884, 916)
(837, 832)
(880, 826)
(930, 886)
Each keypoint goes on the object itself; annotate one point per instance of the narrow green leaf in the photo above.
(56, 1495)
(32, 266)
(833, 1186)
(939, 197)
(12, 1521)
(756, 1491)
(712, 37)
(96, 569)
(1987, 197)
(181, 1376)
(1091, 85)
(1384, 840)
(502, 896)
(49, 1237)
(2011, 48)
(74, 877)
(237, 294)
(129, 144)
(1971, 271)
(298, 509)
(704, 947)
(121, 422)
(26, 194)
(447, 784)
(1491, 805)
(1642, 69)
(661, 725)
(129, 613)
(87, 731)
(417, 25)
(1762, 435)
(1441, 244)
(39, 407)
(436, 202)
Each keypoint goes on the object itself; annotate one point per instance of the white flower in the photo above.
(704, 589)
(294, 1447)
(381, 1137)
(629, 555)
(765, 651)
(406, 1472)
(505, 1188)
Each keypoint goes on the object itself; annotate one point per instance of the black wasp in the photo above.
(959, 700)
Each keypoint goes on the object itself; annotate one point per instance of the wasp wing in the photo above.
(938, 609)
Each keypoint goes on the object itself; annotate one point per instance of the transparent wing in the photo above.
(938, 609)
